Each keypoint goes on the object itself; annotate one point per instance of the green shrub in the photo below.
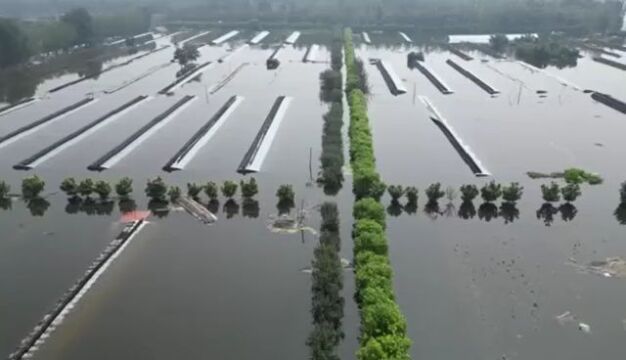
(434, 192)
(491, 191)
(412, 195)
(382, 318)
(512, 193)
(249, 189)
(124, 187)
(551, 193)
(174, 193)
(193, 190)
(103, 189)
(69, 187)
(286, 194)
(571, 192)
(396, 192)
(5, 189)
(156, 189)
(211, 190)
(469, 192)
(86, 187)
(371, 209)
(229, 189)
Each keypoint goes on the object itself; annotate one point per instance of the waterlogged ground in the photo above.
(469, 288)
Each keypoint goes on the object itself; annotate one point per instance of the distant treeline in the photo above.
(20, 39)
(437, 16)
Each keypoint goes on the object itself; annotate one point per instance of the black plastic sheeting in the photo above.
(25, 164)
(97, 165)
(483, 85)
(198, 135)
(609, 101)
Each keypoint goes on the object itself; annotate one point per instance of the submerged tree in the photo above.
(434, 192)
(412, 195)
(286, 194)
(231, 208)
(571, 192)
(249, 189)
(156, 189)
(5, 189)
(620, 214)
(85, 187)
(487, 211)
(396, 192)
(509, 212)
(229, 188)
(491, 192)
(185, 57)
(467, 210)
(250, 208)
(124, 187)
(512, 193)
(499, 42)
(568, 211)
(622, 193)
(174, 193)
(32, 186)
(69, 187)
(469, 193)
(37, 206)
(103, 189)
(546, 213)
(551, 193)
(193, 190)
(211, 190)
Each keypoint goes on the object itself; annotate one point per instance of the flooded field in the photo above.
(473, 282)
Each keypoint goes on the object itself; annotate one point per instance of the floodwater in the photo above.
(469, 288)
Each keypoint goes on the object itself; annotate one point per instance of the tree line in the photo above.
(19, 40)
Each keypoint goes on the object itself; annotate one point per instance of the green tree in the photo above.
(512, 193)
(186, 55)
(412, 194)
(249, 189)
(13, 44)
(81, 21)
(86, 187)
(469, 193)
(396, 192)
(211, 190)
(103, 189)
(371, 209)
(69, 187)
(174, 193)
(551, 193)
(229, 189)
(193, 190)
(434, 192)
(156, 189)
(571, 192)
(124, 187)
(499, 42)
(32, 186)
(5, 189)
(491, 191)
(286, 194)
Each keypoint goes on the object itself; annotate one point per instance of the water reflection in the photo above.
(231, 208)
(394, 209)
(37, 206)
(6, 204)
(431, 209)
(509, 212)
(467, 210)
(568, 211)
(159, 208)
(250, 208)
(89, 206)
(285, 206)
(73, 205)
(546, 213)
(620, 214)
(127, 205)
(410, 207)
(213, 206)
(488, 211)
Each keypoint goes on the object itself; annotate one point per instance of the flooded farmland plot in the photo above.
(524, 280)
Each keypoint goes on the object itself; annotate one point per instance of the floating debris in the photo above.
(565, 318)
(584, 328)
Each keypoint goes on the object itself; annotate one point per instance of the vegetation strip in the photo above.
(220, 85)
(225, 37)
(185, 78)
(327, 303)
(202, 136)
(253, 159)
(609, 101)
(391, 78)
(605, 61)
(76, 136)
(292, 38)
(27, 129)
(383, 326)
(453, 49)
(464, 151)
(10, 108)
(483, 85)
(256, 40)
(112, 67)
(433, 78)
(51, 320)
(118, 152)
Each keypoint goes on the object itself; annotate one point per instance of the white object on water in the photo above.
(366, 38)
(584, 328)
(225, 37)
(292, 38)
(405, 37)
(259, 37)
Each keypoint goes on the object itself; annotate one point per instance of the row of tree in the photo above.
(331, 91)
(327, 303)
(540, 51)
(21, 39)
(383, 326)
